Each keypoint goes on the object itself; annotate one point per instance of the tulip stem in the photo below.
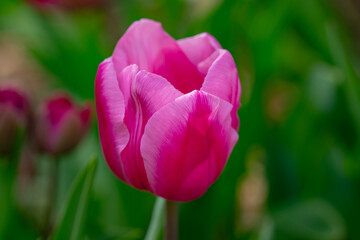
(171, 221)
(52, 190)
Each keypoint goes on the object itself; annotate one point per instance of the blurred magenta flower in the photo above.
(167, 110)
(67, 4)
(14, 116)
(60, 124)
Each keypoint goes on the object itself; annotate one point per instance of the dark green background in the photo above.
(295, 171)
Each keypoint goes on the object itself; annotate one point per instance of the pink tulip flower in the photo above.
(60, 125)
(167, 111)
(14, 115)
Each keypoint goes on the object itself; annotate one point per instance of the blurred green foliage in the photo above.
(71, 224)
(295, 172)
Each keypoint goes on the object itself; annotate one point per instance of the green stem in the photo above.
(156, 220)
(52, 190)
(171, 221)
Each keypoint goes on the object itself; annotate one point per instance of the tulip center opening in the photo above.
(178, 70)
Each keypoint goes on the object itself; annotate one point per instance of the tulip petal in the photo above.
(186, 144)
(126, 79)
(110, 108)
(15, 99)
(149, 92)
(53, 120)
(147, 45)
(66, 135)
(222, 80)
(199, 47)
(57, 107)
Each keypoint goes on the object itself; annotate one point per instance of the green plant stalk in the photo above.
(52, 192)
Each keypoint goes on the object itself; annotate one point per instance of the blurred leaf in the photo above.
(156, 219)
(309, 18)
(75, 51)
(5, 195)
(315, 219)
(351, 83)
(323, 82)
(72, 221)
(8, 174)
(69, 47)
(8, 5)
(266, 231)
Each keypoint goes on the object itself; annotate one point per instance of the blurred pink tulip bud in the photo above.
(167, 111)
(60, 125)
(67, 4)
(14, 115)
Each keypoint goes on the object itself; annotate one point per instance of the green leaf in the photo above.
(157, 220)
(314, 219)
(342, 59)
(72, 221)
